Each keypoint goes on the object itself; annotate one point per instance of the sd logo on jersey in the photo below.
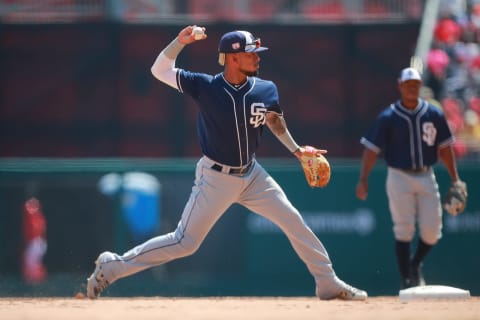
(257, 111)
(429, 133)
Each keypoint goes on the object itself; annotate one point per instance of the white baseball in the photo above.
(197, 33)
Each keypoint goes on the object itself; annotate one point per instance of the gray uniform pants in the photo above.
(414, 198)
(212, 194)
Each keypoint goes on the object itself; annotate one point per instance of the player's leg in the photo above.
(266, 198)
(402, 205)
(211, 196)
(429, 223)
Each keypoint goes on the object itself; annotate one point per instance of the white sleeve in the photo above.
(164, 70)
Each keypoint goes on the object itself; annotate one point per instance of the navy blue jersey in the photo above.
(409, 139)
(231, 119)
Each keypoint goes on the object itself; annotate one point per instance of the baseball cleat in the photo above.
(405, 283)
(351, 293)
(416, 276)
(96, 283)
(346, 292)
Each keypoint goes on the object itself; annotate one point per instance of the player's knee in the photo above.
(430, 236)
(185, 244)
(431, 232)
(404, 233)
(188, 246)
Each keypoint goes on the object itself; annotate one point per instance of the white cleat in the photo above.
(96, 283)
(347, 292)
(352, 293)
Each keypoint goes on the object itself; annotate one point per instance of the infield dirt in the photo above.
(234, 308)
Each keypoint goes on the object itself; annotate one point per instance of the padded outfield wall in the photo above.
(244, 254)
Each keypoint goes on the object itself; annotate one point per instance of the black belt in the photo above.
(242, 170)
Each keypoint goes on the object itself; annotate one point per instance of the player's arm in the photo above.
(448, 158)
(164, 66)
(447, 155)
(276, 123)
(369, 158)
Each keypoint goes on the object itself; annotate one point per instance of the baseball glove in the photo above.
(455, 200)
(315, 166)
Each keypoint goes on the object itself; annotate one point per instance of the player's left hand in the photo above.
(455, 200)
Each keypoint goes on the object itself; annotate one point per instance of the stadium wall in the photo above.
(243, 254)
(85, 90)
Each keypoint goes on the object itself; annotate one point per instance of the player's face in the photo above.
(248, 63)
(410, 90)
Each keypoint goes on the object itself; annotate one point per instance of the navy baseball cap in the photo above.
(238, 41)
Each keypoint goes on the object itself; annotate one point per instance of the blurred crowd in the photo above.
(155, 11)
(453, 71)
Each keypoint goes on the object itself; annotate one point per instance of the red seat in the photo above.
(202, 9)
(474, 104)
(375, 8)
(330, 9)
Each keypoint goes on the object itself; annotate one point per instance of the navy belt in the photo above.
(242, 170)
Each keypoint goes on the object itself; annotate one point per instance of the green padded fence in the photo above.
(244, 254)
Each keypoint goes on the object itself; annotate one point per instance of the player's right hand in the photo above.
(362, 190)
(300, 151)
(185, 36)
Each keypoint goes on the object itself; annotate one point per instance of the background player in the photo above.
(233, 107)
(411, 134)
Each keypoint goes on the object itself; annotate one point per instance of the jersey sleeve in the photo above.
(274, 100)
(375, 139)
(191, 82)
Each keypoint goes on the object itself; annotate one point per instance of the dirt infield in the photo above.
(233, 308)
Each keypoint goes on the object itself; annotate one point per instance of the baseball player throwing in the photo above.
(233, 108)
(411, 134)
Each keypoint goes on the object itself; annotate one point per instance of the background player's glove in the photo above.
(455, 200)
(315, 166)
